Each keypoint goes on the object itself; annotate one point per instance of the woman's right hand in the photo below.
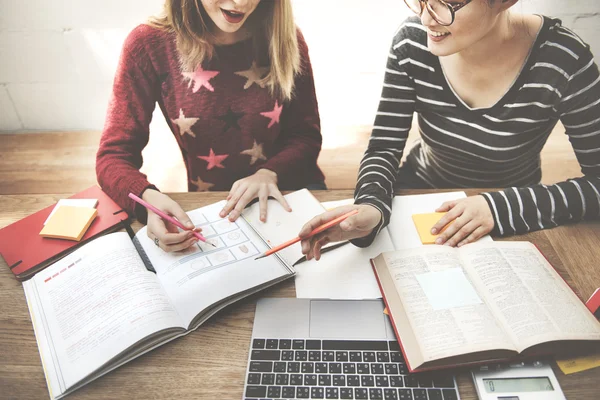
(169, 236)
(353, 227)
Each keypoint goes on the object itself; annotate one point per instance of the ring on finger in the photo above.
(156, 241)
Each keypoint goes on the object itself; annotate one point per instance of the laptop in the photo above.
(333, 349)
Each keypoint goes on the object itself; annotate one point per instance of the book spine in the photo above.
(143, 255)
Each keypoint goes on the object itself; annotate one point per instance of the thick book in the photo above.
(483, 302)
(120, 295)
(26, 252)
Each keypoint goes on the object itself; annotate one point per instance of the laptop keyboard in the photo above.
(338, 369)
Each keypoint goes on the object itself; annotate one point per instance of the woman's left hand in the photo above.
(469, 220)
(262, 185)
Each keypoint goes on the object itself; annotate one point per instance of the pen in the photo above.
(166, 217)
(317, 230)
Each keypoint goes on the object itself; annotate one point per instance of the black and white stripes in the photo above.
(493, 147)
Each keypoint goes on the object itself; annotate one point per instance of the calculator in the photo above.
(532, 380)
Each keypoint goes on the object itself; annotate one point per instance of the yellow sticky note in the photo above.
(424, 223)
(69, 222)
(578, 364)
(385, 311)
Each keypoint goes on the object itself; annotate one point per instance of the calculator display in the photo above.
(504, 385)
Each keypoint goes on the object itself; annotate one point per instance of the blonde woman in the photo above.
(234, 82)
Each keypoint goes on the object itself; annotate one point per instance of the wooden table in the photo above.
(211, 362)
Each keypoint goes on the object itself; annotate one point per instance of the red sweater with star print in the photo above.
(227, 125)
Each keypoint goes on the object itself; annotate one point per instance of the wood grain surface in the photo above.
(210, 363)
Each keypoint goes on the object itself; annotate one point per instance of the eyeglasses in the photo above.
(442, 12)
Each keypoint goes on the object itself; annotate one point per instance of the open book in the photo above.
(482, 302)
(116, 298)
(346, 273)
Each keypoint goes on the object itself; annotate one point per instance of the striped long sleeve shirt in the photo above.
(495, 147)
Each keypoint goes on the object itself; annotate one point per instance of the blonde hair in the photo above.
(272, 23)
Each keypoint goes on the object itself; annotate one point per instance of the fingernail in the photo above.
(433, 231)
(438, 241)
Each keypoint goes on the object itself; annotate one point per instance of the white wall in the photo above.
(57, 57)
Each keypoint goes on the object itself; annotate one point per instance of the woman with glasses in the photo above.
(488, 87)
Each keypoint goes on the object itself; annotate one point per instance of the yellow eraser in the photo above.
(424, 223)
(69, 222)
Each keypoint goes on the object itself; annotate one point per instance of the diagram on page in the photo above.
(231, 245)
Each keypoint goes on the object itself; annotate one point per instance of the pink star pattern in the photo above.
(185, 124)
(214, 160)
(273, 115)
(255, 153)
(201, 186)
(200, 78)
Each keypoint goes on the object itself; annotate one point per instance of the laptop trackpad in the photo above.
(362, 319)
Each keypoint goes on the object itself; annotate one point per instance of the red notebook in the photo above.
(26, 252)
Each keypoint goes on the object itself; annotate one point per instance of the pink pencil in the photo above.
(167, 217)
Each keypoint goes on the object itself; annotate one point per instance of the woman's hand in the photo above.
(353, 227)
(262, 185)
(469, 220)
(170, 238)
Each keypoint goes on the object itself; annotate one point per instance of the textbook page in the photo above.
(402, 229)
(342, 273)
(204, 275)
(463, 323)
(527, 295)
(281, 225)
(92, 305)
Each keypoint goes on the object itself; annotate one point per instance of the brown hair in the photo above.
(272, 26)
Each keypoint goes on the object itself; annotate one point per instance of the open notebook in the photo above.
(116, 298)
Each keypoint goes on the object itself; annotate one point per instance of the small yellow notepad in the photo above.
(424, 223)
(69, 222)
(578, 364)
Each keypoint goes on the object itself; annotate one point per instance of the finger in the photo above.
(169, 239)
(447, 206)
(232, 202)
(473, 237)
(233, 190)
(462, 233)
(165, 232)
(319, 245)
(446, 219)
(175, 210)
(263, 198)
(241, 204)
(305, 245)
(178, 246)
(454, 227)
(183, 245)
(279, 197)
(320, 219)
(313, 243)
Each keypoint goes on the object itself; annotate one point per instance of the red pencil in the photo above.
(320, 229)
(167, 217)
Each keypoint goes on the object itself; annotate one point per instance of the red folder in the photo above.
(26, 252)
